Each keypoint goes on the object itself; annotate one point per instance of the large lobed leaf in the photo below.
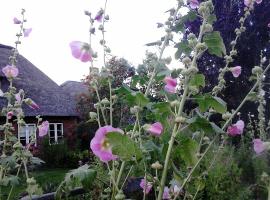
(215, 43)
(123, 146)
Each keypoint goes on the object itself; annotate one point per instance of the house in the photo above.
(55, 104)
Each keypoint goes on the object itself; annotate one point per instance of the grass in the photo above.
(48, 179)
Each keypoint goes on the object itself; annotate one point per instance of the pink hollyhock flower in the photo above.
(176, 189)
(268, 25)
(166, 193)
(1, 93)
(171, 84)
(9, 114)
(16, 20)
(100, 146)
(27, 31)
(155, 129)
(146, 187)
(18, 97)
(194, 4)
(81, 51)
(31, 104)
(248, 3)
(236, 129)
(236, 71)
(258, 146)
(99, 15)
(10, 71)
(43, 129)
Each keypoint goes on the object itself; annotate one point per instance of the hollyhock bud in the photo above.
(27, 31)
(1, 93)
(105, 101)
(156, 165)
(248, 3)
(193, 4)
(16, 20)
(9, 114)
(10, 71)
(154, 129)
(43, 129)
(166, 193)
(18, 97)
(171, 84)
(257, 70)
(236, 71)
(145, 186)
(258, 146)
(93, 115)
(186, 60)
(236, 129)
(81, 51)
(176, 189)
(99, 15)
(100, 145)
(31, 104)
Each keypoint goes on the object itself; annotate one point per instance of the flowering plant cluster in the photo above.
(15, 156)
(165, 126)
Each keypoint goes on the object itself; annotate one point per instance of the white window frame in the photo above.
(55, 132)
(27, 133)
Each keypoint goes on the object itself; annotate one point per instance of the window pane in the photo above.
(22, 131)
(32, 130)
(59, 127)
(59, 133)
(51, 127)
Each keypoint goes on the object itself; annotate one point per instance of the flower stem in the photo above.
(166, 40)
(101, 108)
(111, 109)
(174, 133)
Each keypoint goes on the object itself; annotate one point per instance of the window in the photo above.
(27, 133)
(55, 132)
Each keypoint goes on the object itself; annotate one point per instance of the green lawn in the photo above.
(48, 179)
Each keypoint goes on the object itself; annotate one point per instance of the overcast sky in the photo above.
(56, 23)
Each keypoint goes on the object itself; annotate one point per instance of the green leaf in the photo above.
(218, 104)
(200, 123)
(164, 73)
(132, 97)
(36, 161)
(141, 100)
(123, 146)
(190, 16)
(182, 48)
(123, 90)
(215, 43)
(212, 19)
(80, 174)
(197, 80)
(207, 101)
(162, 107)
(188, 149)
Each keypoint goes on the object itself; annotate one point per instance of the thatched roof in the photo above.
(74, 88)
(51, 98)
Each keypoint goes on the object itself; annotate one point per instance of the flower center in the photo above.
(105, 144)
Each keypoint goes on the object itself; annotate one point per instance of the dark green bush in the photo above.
(59, 155)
